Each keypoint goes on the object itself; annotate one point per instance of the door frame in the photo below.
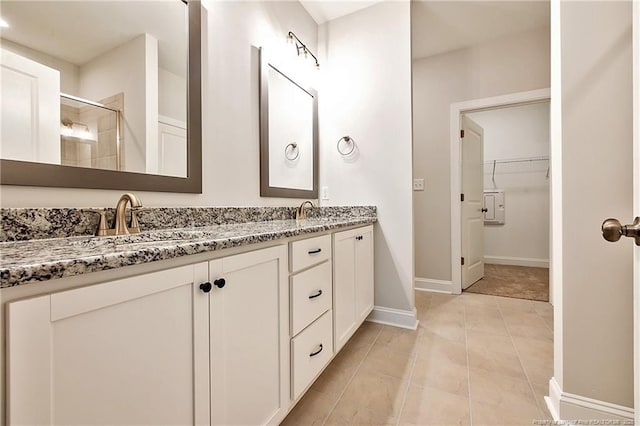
(457, 110)
(636, 202)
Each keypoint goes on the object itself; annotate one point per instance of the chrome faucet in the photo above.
(301, 213)
(120, 225)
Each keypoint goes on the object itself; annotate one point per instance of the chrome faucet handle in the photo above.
(102, 228)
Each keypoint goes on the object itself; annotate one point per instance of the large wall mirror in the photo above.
(100, 94)
(288, 135)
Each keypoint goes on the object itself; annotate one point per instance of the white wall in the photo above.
(231, 160)
(366, 94)
(515, 64)
(172, 95)
(596, 310)
(127, 69)
(512, 133)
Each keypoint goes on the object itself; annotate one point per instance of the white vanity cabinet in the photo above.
(169, 347)
(131, 351)
(233, 339)
(352, 281)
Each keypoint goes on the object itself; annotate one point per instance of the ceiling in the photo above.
(442, 26)
(446, 25)
(79, 31)
(325, 10)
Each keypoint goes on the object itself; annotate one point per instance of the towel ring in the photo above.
(294, 148)
(349, 141)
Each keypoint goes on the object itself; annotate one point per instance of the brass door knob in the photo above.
(612, 230)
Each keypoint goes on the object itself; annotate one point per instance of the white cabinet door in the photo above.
(352, 281)
(249, 330)
(364, 273)
(131, 351)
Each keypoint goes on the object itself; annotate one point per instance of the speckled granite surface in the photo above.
(37, 260)
(39, 223)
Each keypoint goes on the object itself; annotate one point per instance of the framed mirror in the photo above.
(103, 95)
(288, 135)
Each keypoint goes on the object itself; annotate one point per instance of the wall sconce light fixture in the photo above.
(301, 47)
(75, 129)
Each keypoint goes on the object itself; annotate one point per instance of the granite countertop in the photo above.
(38, 260)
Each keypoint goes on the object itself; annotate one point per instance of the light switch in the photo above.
(418, 184)
(324, 193)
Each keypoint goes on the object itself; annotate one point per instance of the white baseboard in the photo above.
(517, 261)
(569, 407)
(438, 286)
(394, 317)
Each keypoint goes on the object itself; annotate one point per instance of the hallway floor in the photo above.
(474, 360)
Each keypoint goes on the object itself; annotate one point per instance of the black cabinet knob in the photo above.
(484, 210)
(206, 287)
(220, 282)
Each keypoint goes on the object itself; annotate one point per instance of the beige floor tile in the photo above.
(528, 347)
(521, 305)
(538, 330)
(495, 360)
(439, 347)
(489, 321)
(472, 299)
(446, 329)
(385, 359)
(399, 339)
(514, 317)
(502, 392)
(428, 406)
(488, 415)
(370, 398)
(448, 308)
(480, 340)
(540, 391)
(423, 299)
(441, 373)
(366, 334)
(539, 370)
(312, 409)
(336, 376)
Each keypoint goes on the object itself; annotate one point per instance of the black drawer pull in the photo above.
(318, 294)
(205, 287)
(316, 251)
(220, 282)
(316, 352)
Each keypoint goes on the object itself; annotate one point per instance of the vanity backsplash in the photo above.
(20, 224)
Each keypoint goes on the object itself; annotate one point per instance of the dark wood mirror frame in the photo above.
(267, 190)
(26, 173)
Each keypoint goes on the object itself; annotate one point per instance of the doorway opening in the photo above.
(500, 175)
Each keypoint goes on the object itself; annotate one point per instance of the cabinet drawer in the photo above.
(311, 251)
(311, 296)
(311, 350)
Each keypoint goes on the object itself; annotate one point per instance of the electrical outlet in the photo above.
(418, 184)
(324, 193)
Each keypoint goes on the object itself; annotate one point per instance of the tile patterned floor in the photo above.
(474, 360)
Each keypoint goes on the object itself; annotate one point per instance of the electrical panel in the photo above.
(494, 206)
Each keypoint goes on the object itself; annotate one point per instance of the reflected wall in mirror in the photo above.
(288, 135)
(113, 87)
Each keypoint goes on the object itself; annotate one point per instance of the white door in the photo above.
(131, 351)
(30, 110)
(344, 287)
(472, 204)
(172, 149)
(249, 329)
(364, 273)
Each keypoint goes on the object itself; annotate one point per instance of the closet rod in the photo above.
(517, 160)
